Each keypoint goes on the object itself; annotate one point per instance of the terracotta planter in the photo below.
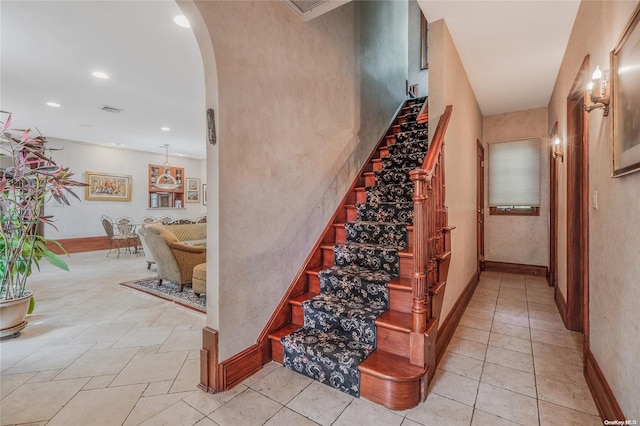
(13, 313)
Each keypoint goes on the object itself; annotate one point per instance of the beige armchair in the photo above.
(175, 260)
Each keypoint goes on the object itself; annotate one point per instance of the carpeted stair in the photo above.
(339, 330)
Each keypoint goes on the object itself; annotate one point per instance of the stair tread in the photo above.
(283, 331)
(400, 283)
(395, 320)
(391, 367)
(314, 270)
(297, 300)
(366, 245)
(379, 276)
(348, 309)
(331, 343)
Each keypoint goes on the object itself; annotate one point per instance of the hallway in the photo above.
(97, 353)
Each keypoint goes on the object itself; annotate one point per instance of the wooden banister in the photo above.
(431, 255)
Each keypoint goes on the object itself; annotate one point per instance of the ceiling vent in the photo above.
(111, 109)
(309, 9)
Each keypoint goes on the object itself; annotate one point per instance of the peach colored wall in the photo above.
(518, 239)
(301, 105)
(614, 234)
(449, 85)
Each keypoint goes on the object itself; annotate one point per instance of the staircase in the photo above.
(365, 323)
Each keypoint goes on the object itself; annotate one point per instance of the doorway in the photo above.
(480, 205)
(577, 157)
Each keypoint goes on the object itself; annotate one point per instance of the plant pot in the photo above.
(13, 313)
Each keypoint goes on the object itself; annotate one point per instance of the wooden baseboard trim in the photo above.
(209, 361)
(448, 326)
(561, 304)
(79, 245)
(517, 268)
(234, 370)
(602, 394)
(218, 376)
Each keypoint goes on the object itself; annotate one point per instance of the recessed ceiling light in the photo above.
(99, 74)
(117, 144)
(182, 21)
(53, 104)
(166, 129)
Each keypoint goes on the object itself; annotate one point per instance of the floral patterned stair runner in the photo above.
(339, 329)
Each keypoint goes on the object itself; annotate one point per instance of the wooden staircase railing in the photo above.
(432, 245)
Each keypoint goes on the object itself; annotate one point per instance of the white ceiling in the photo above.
(511, 51)
(50, 48)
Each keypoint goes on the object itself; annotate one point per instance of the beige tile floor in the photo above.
(96, 353)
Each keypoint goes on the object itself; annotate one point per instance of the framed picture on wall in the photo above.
(424, 43)
(193, 190)
(107, 187)
(204, 194)
(625, 91)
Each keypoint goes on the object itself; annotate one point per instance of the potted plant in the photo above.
(31, 178)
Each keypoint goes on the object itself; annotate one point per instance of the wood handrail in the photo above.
(437, 142)
(431, 251)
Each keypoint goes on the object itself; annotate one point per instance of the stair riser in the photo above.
(327, 257)
(400, 300)
(297, 315)
(378, 258)
(389, 177)
(361, 196)
(388, 235)
(393, 213)
(276, 350)
(363, 290)
(369, 180)
(314, 283)
(341, 237)
(392, 341)
(352, 214)
(396, 395)
(407, 148)
(406, 267)
(360, 330)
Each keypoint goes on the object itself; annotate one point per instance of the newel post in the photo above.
(419, 275)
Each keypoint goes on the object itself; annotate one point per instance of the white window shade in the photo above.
(514, 173)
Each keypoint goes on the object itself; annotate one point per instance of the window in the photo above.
(514, 177)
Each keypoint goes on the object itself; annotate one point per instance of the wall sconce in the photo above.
(597, 95)
(556, 148)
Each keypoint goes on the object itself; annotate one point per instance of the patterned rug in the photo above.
(339, 329)
(169, 291)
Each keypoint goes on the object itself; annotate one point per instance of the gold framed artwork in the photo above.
(625, 91)
(424, 43)
(193, 190)
(107, 187)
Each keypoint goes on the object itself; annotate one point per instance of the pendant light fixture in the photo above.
(166, 181)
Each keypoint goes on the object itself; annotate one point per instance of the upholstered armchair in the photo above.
(145, 248)
(175, 259)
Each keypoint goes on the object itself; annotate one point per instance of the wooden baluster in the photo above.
(418, 277)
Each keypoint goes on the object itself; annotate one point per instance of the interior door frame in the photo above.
(577, 158)
(553, 212)
(480, 205)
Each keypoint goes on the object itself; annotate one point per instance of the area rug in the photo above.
(169, 291)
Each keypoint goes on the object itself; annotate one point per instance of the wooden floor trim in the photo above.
(209, 361)
(234, 370)
(516, 268)
(561, 304)
(602, 394)
(448, 326)
(80, 245)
